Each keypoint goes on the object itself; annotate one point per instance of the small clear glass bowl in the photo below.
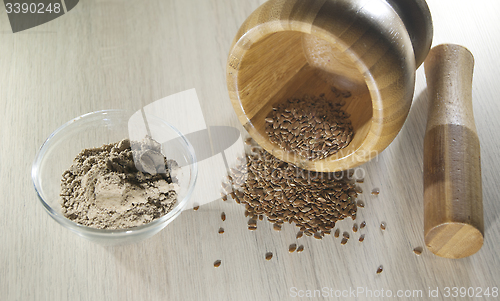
(103, 127)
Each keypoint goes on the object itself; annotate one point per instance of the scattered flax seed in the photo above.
(300, 248)
(360, 204)
(261, 217)
(317, 235)
(223, 216)
(224, 198)
(299, 234)
(196, 208)
(344, 241)
(355, 228)
(292, 248)
(252, 228)
(362, 225)
(346, 235)
(269, 255)
(221, 230)
(337, 233)
(360, 181)
(380, 269)
(382, 225)
(248, 141)
(375, 191)
(217, 263)
(361, 238)
(418, 251)
(358, 189)
(252, 222)
(277, 227)
(327, 232)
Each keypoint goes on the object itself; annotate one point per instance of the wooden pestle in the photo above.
(453, 208)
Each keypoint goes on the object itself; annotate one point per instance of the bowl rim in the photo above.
(125, 231)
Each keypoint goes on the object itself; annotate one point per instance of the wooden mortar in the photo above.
(288, 48)
(453, 199)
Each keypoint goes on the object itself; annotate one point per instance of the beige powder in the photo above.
(119, 185)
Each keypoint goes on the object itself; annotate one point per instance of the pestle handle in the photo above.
(453, 207)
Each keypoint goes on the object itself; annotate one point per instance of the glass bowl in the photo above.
(103, 127)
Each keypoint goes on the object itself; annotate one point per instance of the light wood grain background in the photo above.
(127, 54)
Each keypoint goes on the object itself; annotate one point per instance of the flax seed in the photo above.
(217, 263)
(380, 269)
(362, 238)
(269, 255)
(383, 225)
(223, 216)
(418, 251)
(300, 248)
(292, 248)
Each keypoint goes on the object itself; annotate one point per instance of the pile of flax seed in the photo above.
(283, 192)
(312, 127)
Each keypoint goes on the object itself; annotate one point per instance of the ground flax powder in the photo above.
(119, 185)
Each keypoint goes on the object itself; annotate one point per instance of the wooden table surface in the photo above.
(108, 54)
